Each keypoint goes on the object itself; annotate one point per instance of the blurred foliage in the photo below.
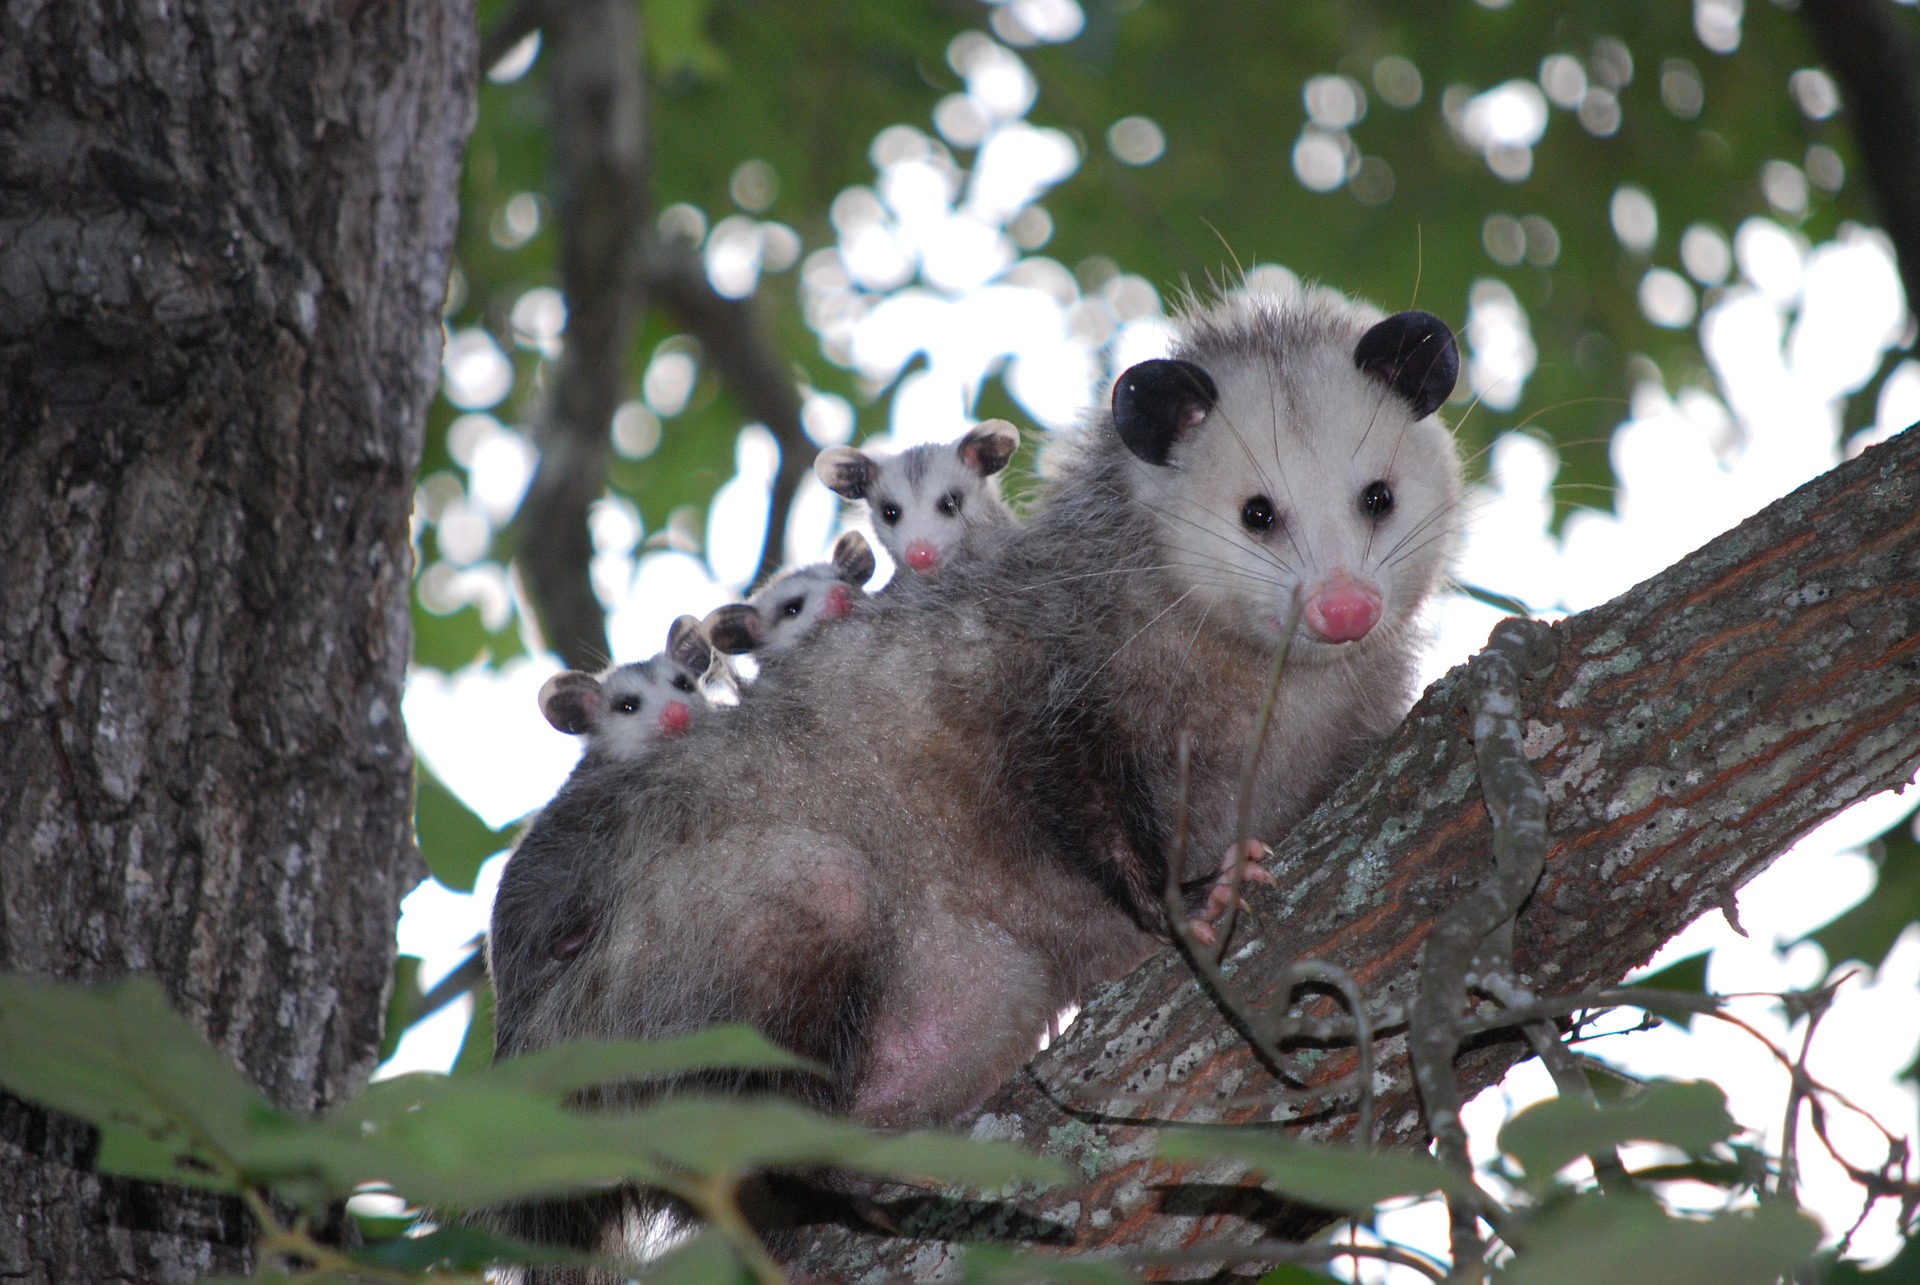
(1867, 932)
(806, 91)
(170, 1108)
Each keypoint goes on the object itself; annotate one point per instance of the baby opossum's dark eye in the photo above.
(1377, 500)
(628, 705)
(791, 607)
(890, 513)
(682, 683)
(1257, 514)
(949, 504)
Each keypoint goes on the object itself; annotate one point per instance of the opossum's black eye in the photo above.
(949, 504)
(1257, 515)
(890, 513)
(1377, 500)
(682, 683)
(791, 607)
(627, 705)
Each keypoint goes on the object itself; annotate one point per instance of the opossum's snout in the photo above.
(837, 603)
(922, 556)
(675, 718)
(1341, 609)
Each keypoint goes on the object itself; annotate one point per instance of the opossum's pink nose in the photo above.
(922, 556)
(1342, 611)
(838, 602)
(675, 718)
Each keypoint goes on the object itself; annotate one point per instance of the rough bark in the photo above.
(600, 146)
(224, 239)
(1693, 729)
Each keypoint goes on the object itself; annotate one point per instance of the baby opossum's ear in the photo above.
(689, 645)
(853, 559)
(1156, 401)
(989, 446)
(734, 628)
(846, 471)
(1415, 354)
(571, 701)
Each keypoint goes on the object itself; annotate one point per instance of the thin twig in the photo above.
(1516, 805)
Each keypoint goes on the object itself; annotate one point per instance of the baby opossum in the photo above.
(913, 850)
(792, 606)
(628, 708)
(930, 504)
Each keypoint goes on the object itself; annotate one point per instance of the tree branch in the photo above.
(735, 340)
(601, 182)
(1691, 730)
(1873, 54)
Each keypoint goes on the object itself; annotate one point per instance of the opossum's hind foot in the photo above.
(1248, 855)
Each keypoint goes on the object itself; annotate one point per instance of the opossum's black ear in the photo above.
(689, 645)
(853, 559)
(846, 471)
(1415, 354)
(734, 628)
(989, 446)
(571, 701)
(1156, 401)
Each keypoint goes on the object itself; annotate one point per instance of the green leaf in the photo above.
(1001, 1265)
(460, 1249)
(1604, 1240)
(401, 1001)
(1689, 975)
(567, 1069)
(168, 1106)
(1546, 1137)
(1867, 931)
(1341, 1178)
(453, 840)
(725, 1135)
(1292, 1274)
(451, 1142)
(707, 1259)
(476, 1046)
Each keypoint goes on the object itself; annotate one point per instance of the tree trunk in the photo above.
(1692, 730)
(224, 239)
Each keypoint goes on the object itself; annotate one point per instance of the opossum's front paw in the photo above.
(1249, 855)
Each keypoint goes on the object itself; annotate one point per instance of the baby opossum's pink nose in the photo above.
(838, 602)
(922, 556)
(675, 718)
(1342, 611)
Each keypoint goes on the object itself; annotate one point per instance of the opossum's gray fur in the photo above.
(917, 844)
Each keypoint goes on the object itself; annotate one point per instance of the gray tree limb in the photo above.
(735, 340)
(224, 239)
(1691, 730)
(592, 53)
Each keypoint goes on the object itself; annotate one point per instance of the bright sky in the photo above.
(936, 258)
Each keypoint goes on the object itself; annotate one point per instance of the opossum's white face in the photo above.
(798, 603)
(643, 702)
(628, 708)
(1302, 468)
(928, 501)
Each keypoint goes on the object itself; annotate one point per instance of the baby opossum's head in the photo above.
(927, 502)
(628, 708)
(795, 604)
(1292, 445)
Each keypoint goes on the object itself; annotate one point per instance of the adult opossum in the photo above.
(914, 847)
